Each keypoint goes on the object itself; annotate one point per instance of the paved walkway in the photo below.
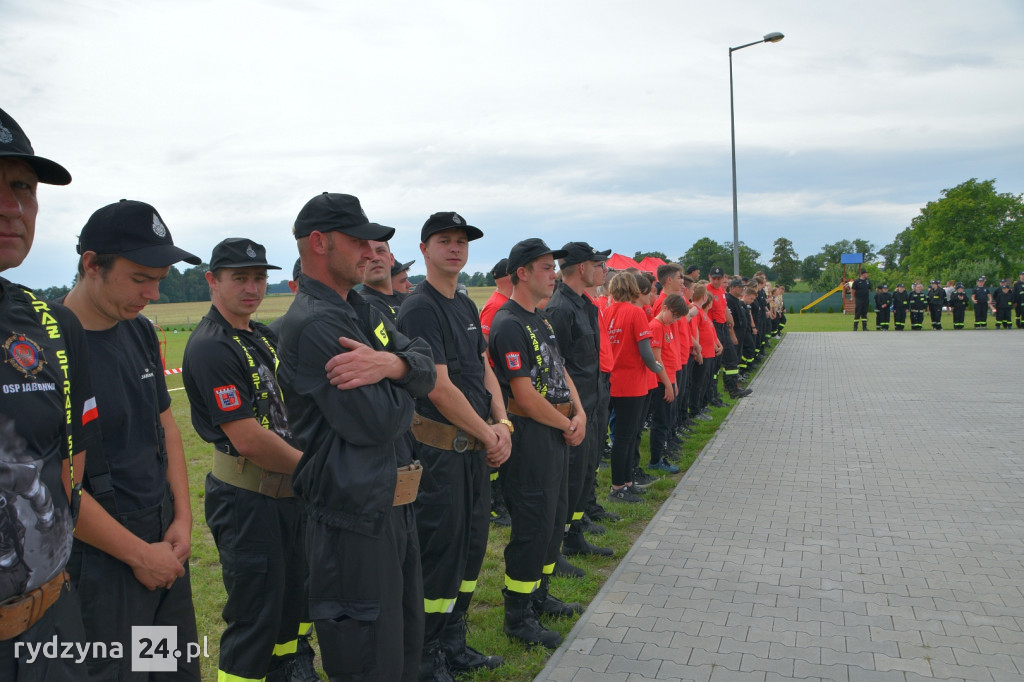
(860, 517)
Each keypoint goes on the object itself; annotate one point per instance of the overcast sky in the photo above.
(569, 120)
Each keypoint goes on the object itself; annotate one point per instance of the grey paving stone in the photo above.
(844, 541)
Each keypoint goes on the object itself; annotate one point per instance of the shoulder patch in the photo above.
(381, 333)
(227, 398)
(513, 360)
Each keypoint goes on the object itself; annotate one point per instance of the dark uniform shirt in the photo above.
(418, 317)
(740, 315)
(918, 301)
(523, 344)
(230, 374)
(1018, 292)
(936, 297)
(1002, 299)
(578, 332)
(981, 295)
(131, 393)
(35, 517)
(883, 300)
(349, 464)
(387, 304)
(958, 301)
(861, 289)
(900, 300)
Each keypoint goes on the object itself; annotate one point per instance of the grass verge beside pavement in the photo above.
(487, 610)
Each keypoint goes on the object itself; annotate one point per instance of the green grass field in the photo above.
(486, 612)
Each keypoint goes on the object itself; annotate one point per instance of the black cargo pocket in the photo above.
(346, 631)
(245, 578)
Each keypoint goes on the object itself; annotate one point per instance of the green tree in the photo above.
(640, 255)
(748, 260)
(785, 265)
(832, 252)
(970, 223)
(810, 267)
(706, 253)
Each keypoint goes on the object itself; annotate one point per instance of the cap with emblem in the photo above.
(581, 252)
(884, 286)
(959, 285)
(529, 250)
(399, 268)
(446, 220)
(900, 286)
(238, 252)
(1004, 282)
(133, 230)
(716, 272)
(329, 212)
(735, 282)
(500, 269)
(982, 278)
(14, 144)
(935, 281)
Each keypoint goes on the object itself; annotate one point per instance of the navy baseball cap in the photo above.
(716, 272)
(446, 220)
(529, 250)
(14, 144)
(581, 252)
(340, 213)
(884, 286)
(238, 252)
(133, 230)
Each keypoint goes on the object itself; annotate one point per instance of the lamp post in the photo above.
(773, 37)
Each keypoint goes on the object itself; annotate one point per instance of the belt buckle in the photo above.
(461, 442)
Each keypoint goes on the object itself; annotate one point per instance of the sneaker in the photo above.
(717, 402)
(624, 495)
(638, 490)
(640, 477)
(665, 467)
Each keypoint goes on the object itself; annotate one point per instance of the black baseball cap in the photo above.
(901, 285)
(691, 269)
(296, 269)
(400, 267)
(735, 282)
(884, 286)
(982, 278)
(716, 272)
(959, 285)
(340, 213)
(529, 250)
(1004, 282)
(14, 144)
(133, 230)
(500, 269)
(935, 281)
(581, 252)
(446, 220)
(239, 252)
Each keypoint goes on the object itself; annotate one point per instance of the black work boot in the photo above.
(521, 622)
(546, 604)
(563, 569)
(434, 666)
(462, 657)
(587, 525)
(574, 543)
(598, 513)
(302, 668)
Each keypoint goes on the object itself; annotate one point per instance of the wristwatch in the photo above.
(508, 423)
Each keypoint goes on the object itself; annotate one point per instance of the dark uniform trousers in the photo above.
(113, 600)
(367, 598)
(729, 357)
(259, 539)
(534, 483)
(63, 619)
(682, 404)
(935, 311)
(981, 315)
(597, 426)
(699, 379)
(452, 517)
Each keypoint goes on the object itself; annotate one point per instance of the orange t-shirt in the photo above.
(627, 325)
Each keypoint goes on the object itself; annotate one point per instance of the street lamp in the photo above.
(773, 37)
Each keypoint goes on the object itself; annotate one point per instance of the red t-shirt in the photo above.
(606, 359)
(627, 326)
(666, 335)
(496, 300)
(702, 323)
(718, 304)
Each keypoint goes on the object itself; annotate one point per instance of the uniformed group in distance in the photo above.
(1005, 303)
(354, 442)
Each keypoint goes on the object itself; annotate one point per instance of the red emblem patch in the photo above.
(513, 361)
(227, 398)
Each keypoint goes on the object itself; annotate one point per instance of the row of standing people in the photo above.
(1004, 302)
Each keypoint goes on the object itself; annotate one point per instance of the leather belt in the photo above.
(18, 614)
(565, 408)
(236, 470)
(443, 436)
(408, 483)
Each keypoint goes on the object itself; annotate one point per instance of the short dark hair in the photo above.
(668, 270)
(104, 261)
(675, 304)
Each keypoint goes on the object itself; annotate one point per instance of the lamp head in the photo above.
(773, 37)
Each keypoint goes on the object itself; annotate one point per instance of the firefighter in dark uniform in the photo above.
(936, 302)
(918, 303)
(883, 307)
(41, 345)
(981, 297)
(958, 303)
(861, 289)
(134, 535)
(460, 428)
(230, 376)
(1018, 300)
(1002, 304)
(549, 419)
(377, 289)
(900, 302)
(364, 582)
(575, 319)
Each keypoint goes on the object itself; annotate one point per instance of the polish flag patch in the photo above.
(513, 361)
(227, 398)
(89, 411)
